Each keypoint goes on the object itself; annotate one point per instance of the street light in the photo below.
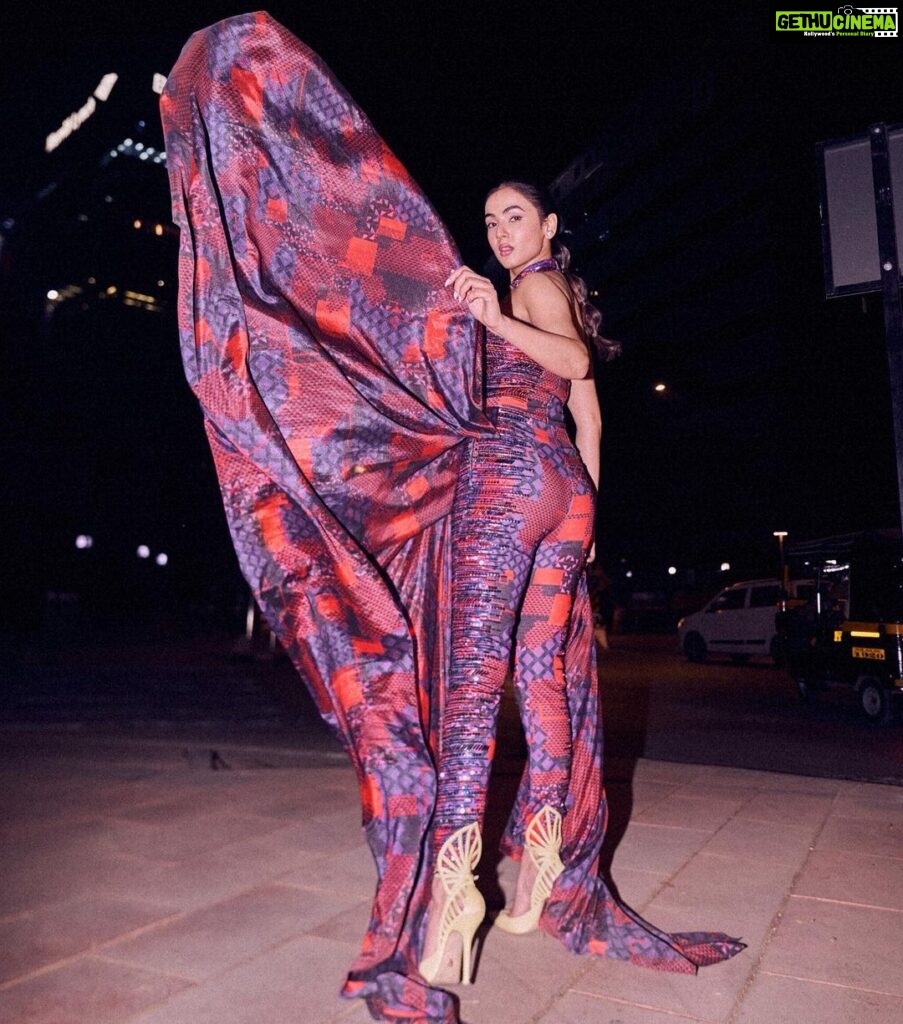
(781, 534)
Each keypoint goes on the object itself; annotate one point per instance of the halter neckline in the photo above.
(547, 263)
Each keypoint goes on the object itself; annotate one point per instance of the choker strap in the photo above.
(545, 264)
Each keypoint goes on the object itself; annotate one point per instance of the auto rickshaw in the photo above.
(850, 631)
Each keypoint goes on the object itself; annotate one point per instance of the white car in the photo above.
(740, 621)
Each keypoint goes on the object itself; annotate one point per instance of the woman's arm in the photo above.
(584, 408)
(546, 331)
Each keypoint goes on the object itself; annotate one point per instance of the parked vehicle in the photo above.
(740, 621)
(850, 633)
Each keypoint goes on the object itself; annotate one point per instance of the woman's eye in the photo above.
(515, 217)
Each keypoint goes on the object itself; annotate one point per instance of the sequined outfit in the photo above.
(524, 522)
(340, 385)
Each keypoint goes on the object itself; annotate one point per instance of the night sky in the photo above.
(463, 92)
(467, 94)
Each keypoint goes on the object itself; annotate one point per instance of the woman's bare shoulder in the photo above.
(546, 300)
(548, 289)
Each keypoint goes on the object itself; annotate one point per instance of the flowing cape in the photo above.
(338, 381)
(340, 385)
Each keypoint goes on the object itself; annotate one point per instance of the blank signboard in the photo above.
(849, 226)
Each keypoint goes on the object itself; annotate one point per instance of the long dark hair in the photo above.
(590, 317)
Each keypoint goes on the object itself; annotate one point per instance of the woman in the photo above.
(341, 387)
(523, 526)
(524, 516)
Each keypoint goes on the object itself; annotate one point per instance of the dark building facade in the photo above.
(105, 438)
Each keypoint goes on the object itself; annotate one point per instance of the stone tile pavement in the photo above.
(151, 882)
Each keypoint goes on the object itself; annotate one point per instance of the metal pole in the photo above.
(890, 287)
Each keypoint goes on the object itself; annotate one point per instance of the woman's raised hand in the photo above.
(479, 294)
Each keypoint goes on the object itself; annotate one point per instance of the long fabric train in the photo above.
(340, 387)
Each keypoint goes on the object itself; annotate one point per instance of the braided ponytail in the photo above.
(591, 318)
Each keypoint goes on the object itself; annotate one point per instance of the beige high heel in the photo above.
(464, 907)
(541, 844)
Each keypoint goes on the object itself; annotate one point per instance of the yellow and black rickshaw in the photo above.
(850, 632)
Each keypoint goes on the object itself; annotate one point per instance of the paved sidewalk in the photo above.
(157, 882)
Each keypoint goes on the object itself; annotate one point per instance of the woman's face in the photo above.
(517, 234)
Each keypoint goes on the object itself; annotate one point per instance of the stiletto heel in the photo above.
(542, 844)
(464, 907)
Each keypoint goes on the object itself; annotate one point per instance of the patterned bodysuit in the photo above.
(523, 526)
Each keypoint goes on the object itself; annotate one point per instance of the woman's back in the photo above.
(513, 377)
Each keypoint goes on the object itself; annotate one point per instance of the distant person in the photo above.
(798, 626)
(602, 601)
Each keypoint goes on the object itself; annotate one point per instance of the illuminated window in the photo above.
(140, 300)
(105, 86)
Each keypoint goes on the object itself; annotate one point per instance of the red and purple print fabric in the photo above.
(338, 381)
(341, 387)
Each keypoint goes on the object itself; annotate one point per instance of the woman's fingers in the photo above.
(463, 280)
(477, 292)
(472, 287)
(456, 274)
